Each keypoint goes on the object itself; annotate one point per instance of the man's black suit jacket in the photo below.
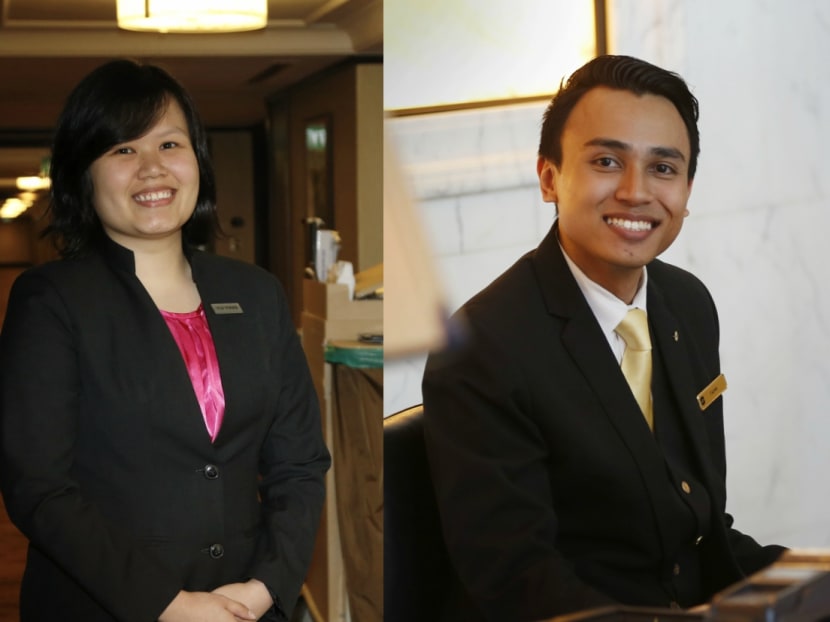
(551, 486)
(105, 461)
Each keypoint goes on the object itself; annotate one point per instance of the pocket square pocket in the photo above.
(711, 392)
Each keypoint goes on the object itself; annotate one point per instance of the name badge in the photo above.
(711, 392)
(226, 308)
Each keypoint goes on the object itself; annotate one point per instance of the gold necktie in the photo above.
(636, 361)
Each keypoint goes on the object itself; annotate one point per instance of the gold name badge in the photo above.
(226, 308)
(711, 392)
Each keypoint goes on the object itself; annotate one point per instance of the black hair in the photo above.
(118, 102)
(621, 73)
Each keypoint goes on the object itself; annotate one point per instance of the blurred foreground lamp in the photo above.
(414, 306)
(192, 16)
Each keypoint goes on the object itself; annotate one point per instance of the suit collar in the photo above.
(560, 292)
(586, 343)
(116, 255)
(122, 258)
(230, 333)
(583, 339)
(557, 282)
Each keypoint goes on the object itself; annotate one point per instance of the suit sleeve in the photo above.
(489, 466)
(293, 463)
(39, 416)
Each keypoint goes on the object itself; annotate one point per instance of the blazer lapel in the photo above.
(584, 340)
(155, 360)
(670, 338)
(170, 358)
(236, 339)
(587, 345)
(156, 353)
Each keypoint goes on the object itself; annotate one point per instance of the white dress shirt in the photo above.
(607, 308)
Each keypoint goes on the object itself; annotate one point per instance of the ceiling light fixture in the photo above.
(33, 183)
(12, 208)
(192, 16)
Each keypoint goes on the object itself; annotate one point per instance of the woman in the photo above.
(160, 438)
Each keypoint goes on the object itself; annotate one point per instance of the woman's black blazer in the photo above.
(106, 464)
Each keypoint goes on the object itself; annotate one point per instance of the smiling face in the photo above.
(146, 189)
(622, 187)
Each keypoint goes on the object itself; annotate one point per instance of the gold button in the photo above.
(676, 569)
(685, 486)
(698, 540)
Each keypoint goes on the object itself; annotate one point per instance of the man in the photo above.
(561, 486)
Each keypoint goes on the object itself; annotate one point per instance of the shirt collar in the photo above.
(607, 308)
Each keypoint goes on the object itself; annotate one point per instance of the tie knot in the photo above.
(634, 330)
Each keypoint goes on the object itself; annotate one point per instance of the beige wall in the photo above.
(369, 165)
(351, 98)
(232, 154)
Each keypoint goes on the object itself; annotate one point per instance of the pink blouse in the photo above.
(192, 334)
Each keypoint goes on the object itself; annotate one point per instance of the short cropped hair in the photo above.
(118, 102)
(622, 73)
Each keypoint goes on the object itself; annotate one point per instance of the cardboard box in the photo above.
(330, 301)
(330, 314)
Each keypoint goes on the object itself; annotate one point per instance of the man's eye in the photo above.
(664, 169)
(605, 162)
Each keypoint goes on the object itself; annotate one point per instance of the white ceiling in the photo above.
(46, 46)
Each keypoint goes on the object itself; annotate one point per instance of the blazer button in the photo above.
(698, 540)
(216, 551)
(211, 472)
(685, 486)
